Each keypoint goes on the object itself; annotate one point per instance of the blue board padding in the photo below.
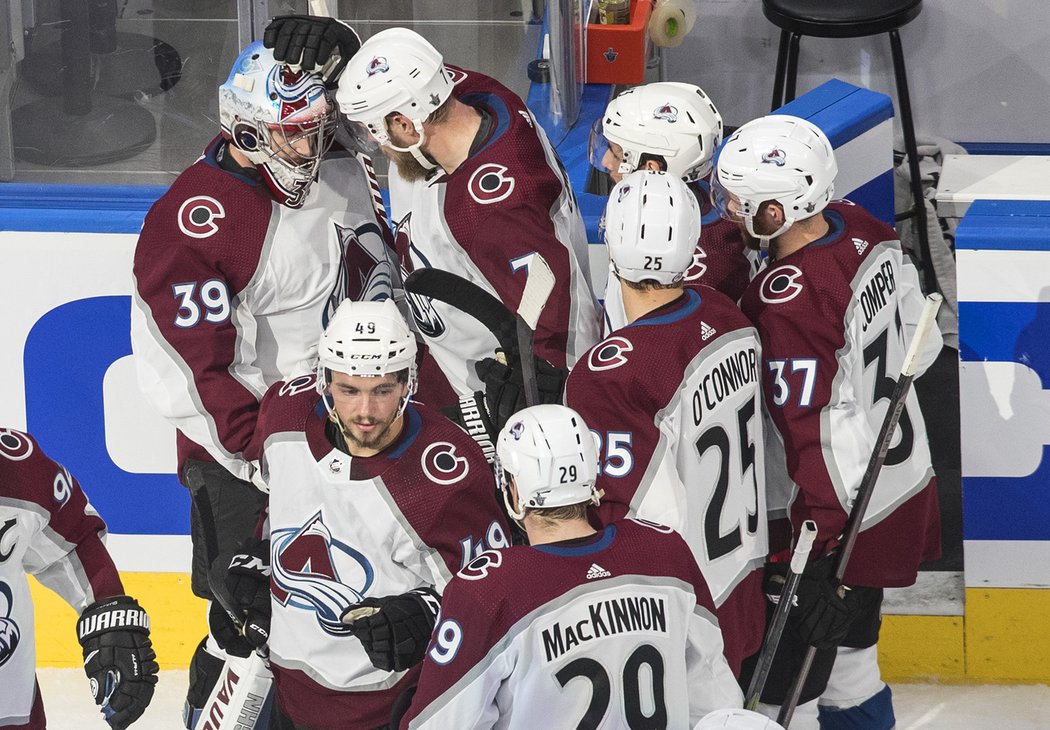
(67, 354)
(76, 208)
(841, 110)
(1005, 225)
(1008, 508)
(876, 197)
(1007, 332)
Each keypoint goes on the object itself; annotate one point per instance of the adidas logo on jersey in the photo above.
(861, 245)
(706, 331)
(597, 571)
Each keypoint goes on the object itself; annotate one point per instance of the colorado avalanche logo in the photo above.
(442, 466)
(781, 285)
(775, 156)
(15, 445)
(517, 430)
(197, 216)
(315, 572)
(302, 97)
(490, 183)
(377, 65)
(666, 112)
(10, 634)
(624, 192)
(609, 354)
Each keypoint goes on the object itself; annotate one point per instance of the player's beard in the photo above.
(407, 165)
(377, 439)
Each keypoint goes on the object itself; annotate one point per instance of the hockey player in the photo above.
(237, 269)
(835, 306)
(675, 401)
(476, 189)
(375, 502)
(610, 628)
(50, 530)
(673, 127)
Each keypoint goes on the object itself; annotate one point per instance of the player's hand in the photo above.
(241, 583)
(505, 388)
(118, 658)
(395, 630)
(823, 609)
(310, 42)
(472, 415)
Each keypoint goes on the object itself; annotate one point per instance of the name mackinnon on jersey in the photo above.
(606, 618)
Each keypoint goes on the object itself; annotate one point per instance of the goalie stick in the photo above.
(514, 333)
(242, 697)
(867, 482)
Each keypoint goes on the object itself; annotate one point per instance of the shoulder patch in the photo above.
(490, 183)
(197, 216)
(781, 285)
(298, 385)
(609, 354)
(479, 567)
(15, 445)
(441, 464)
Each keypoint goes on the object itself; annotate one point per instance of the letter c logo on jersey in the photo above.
(479, 567)
(442, 466)
(14, 445)
(609, 354)
(490, 183)
(781, 285)
(198, 214)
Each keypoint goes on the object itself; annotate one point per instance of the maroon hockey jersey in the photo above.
(344, 528)
(835, 318)
(675, 402)
(613, 631)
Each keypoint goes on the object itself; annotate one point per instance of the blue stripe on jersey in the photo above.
(413, 425)
(608, 534)
(690, 305)
(494, 104)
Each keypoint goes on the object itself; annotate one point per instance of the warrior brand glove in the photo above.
(118, 658)
(823, 608)
(311, 42)
(241, 583)
(395, 630)
(472, 415)
(505, 389)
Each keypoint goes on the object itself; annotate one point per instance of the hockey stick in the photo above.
(538, 288)
(867, 482)
(776, 627)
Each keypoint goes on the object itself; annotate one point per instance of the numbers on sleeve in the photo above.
(630, 688)
(210, 302)
(447, 639)
(875, 352)
(616, 445)
(720, 544)
(781, 387)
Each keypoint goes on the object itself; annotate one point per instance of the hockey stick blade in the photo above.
(466, 296)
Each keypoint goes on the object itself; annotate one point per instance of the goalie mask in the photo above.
(282, 120)
(551, 454)
(673, 120)
(369, 339)
(652, 223)
(780, 158)
(396, 70)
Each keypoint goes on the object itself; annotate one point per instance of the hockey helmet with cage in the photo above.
(736, 719)
(780, 158)
(282, 120)
(369, 339)
(673, 120)
(551, 454)
(396, 70)
(652, 223)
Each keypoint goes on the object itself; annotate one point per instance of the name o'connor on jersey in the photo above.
(876, 293)
(725, 378)
(641, 614)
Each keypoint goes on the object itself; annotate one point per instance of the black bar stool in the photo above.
(854, 19)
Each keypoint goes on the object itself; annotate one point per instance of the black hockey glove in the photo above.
(241, 583)
(310, 42)
(505, 389)
(118, 658)
(823, 609)
(395, 630)
(472, 415)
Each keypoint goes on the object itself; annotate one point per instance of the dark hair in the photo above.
(576, 511)
(648, 284)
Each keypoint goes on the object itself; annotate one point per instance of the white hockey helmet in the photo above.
(652, 223)
(369, 339)
(736, 719)
(776, 157)
(282, 120)
(551, 454)
(396, 70)
(674, 120)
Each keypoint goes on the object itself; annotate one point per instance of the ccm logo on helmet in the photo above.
(442, 466)
(198, 214)
(781, 286)
(609, 354)
(490, 183)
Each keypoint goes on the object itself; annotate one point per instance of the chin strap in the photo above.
(415, 150)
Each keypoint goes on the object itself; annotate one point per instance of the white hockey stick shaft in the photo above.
(538, 288)
(320, 8)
